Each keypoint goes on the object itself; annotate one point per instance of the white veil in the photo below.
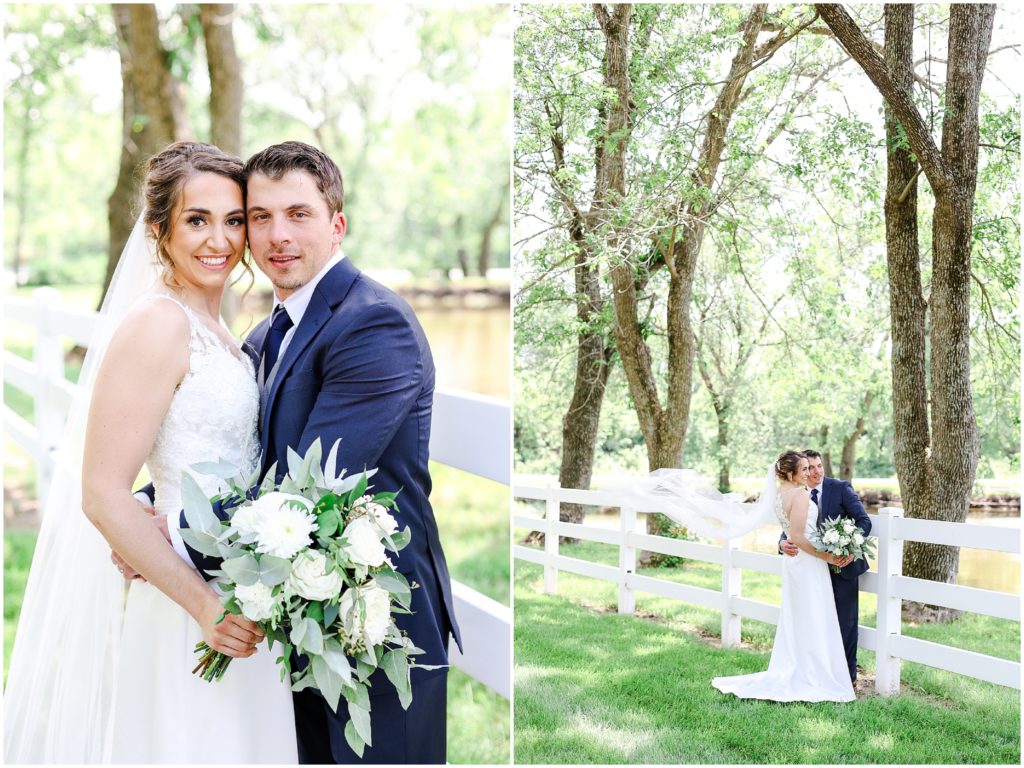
(60, 686)
(693, 502)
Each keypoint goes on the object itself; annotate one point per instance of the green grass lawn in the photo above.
(636, 689)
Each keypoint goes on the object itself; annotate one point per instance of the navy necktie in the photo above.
(814, 496)
(279, 325)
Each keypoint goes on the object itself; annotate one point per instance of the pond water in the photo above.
(471, 348)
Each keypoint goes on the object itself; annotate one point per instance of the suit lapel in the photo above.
(328, 293)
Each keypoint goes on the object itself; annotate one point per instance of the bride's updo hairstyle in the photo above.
(166, 175)
(787, 464)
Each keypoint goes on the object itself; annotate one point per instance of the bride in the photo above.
(101, 667)
(808, 662)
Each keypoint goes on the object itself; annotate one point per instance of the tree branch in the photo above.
(848, 35)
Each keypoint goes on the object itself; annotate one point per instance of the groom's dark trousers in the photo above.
(358, 368)
(838, 499)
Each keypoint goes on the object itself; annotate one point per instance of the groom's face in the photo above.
(292, 233)
(815, 471)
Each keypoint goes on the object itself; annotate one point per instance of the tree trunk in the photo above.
(484, 258)
(461, 254)
(664, 428)
(935, 460)
(593, 366)
(226, 85)
(826, 454)
(723, 449)
(153, 116)
(849, 456)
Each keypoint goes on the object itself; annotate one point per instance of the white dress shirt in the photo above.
(296, 304)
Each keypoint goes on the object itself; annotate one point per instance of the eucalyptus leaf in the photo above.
(331, 465)
(327, 681)
(221, 469)
(298, 633)
(405, 697)
(306, 681)
(198, 511)
(396, 584)
(314, 454)
(359, 694)
(361, 718)
(396, 667)
(350, 482)
(401, 539)
(274, 570)
(313, 638)
(298, 468)
(242, 570)
(201, 542)
(353, 739)
(331, 612)
(338, 663)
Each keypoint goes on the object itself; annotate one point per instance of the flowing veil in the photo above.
(693, 502)
(60, 687)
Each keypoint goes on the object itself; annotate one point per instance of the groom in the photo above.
(836, 498)
(341, 356)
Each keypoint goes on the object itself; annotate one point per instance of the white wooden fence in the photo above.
(470, 432)
(886, 639)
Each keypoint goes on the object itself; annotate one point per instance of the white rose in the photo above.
(377, 603)
(844, 540)
(257, 601)
(309, 579)
(848, 525)
(282, 529)
(831, 536)
(383, 517)
(858, 539)
(364, 546)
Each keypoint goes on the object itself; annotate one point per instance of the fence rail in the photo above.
(889, 584)
(470, 432)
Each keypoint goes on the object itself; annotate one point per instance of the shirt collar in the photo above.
(296, 304)
(820, 486)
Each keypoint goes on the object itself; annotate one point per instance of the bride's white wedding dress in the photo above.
(808, 662)
(162, 712)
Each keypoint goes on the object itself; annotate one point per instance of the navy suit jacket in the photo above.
(838, 499)
(358, 367)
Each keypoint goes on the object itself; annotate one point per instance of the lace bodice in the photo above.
(812, 517)
(213, 416)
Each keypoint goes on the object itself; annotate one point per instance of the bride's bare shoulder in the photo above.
(155, 330)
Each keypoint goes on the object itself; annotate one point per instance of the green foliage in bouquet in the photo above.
(306, 560)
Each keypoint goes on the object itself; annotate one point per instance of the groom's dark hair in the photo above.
(810, 453)
(277, 160)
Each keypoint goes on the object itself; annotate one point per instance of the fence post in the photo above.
(732, 587)
(49, 415)
(552, 509)
(627, 559)
(889, 621)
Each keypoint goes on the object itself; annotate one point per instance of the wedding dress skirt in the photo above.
(162, 712)
(808, 662)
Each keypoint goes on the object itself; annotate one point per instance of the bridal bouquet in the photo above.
(841, 537)
(307, 561)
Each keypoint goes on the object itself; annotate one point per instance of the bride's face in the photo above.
(800, 474)
(207, 234)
